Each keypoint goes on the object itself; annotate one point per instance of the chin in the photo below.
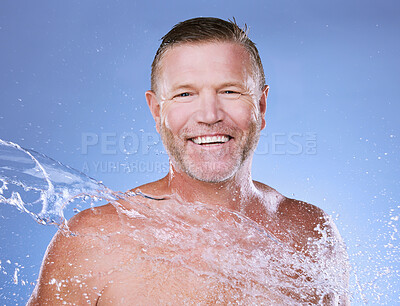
(214, 174)
(211, 178)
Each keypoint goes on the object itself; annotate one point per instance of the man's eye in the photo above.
(185, 94)
(184, 97)
(230, 94)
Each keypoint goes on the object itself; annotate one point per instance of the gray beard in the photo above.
(208, 172)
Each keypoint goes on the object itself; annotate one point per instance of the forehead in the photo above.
(215, 60)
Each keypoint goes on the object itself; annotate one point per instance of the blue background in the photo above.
(76, 71)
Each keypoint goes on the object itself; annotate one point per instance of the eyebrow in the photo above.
(232, 84)
(182, 86)
(191, 86)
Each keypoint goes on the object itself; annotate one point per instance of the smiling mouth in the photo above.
(206, 140)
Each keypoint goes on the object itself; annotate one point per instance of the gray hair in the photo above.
(207, 29)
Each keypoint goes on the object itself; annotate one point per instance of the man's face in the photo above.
(209, 116)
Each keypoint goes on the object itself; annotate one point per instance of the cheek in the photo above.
(242, 113)
(174, 116)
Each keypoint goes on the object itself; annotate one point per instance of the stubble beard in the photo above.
(210, 171)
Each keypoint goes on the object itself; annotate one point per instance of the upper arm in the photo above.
(329, 250)
(62, 276)
(336, 257)
(75, 266)
(318, 238)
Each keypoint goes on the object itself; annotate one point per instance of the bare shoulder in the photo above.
(154, 189)
(309, 226)
(303, 214)
(77, 258)
(298, 219)
(95, 220)
(312, 232)
(310, 222)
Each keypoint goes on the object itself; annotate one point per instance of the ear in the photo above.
(263, 105)
(154, 106)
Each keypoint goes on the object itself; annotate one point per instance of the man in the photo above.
(207, 233)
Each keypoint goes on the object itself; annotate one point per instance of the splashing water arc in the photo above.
(41, 186)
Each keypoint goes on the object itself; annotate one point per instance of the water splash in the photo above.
(230, 251)
(239, 255)
(42, 187)
(375, 260)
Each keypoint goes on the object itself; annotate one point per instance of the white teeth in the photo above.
(210, 139)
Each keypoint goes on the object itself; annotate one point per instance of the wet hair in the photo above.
(203, 30)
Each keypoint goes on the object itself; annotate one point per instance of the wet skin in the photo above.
(102, 264)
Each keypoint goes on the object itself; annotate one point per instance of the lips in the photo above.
(215, 139)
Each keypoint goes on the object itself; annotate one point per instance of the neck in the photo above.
(235, 193)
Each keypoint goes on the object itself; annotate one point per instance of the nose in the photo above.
(209, 109)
